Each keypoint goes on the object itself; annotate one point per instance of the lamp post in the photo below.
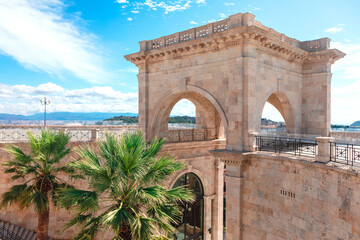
(45, 102)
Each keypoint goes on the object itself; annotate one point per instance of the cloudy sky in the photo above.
(72, 50)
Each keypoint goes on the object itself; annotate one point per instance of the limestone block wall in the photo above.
(288, 198)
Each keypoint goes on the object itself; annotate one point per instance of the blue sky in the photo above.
(72, 51)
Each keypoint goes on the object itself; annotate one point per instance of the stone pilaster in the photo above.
(143, 100)
(218, 208)
(208, 216)
(236, 163)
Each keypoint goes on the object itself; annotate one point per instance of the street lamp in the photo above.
(45, 102)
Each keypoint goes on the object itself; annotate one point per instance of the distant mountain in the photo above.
(5, 116)
(135, 119)
(355, 124)
(70, 116)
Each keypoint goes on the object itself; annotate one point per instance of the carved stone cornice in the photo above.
(330, 56)
(234, 32)
(230, 157)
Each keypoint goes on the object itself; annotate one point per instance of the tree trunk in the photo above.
(43, 225)
(125, 235)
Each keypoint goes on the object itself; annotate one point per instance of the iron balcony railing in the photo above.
(345, 153)
(298, 147)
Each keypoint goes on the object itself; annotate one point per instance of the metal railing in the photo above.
(6, 234)
(298, 147)
(348, 154)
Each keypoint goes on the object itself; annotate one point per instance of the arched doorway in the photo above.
(191, 224)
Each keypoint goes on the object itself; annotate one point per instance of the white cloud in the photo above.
(36, 34)
(121, 1)
(192, 22)
(166, 5)
(334, 30)
(349, 66)
(129, 19)
(229, 3)
(222, 15)
(346, 84)
(183, 108)
(24, 99)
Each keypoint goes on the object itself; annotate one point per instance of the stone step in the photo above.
(23, 233)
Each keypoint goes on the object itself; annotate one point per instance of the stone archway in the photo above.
(282, 103)
(209, 114)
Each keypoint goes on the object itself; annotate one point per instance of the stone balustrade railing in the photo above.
(11, 134)
(234, 21)
(186, 135)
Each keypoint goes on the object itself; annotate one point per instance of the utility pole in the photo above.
(45, 102)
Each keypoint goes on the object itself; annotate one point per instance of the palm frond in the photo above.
(14, 195)
(80, 200)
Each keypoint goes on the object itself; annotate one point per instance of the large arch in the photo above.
(210, 114)
(282, 103)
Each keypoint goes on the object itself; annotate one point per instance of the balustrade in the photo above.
(233, 21)
(186, 135)
(77, 134)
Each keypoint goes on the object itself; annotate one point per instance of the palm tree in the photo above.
(39, 172)
(125, 190)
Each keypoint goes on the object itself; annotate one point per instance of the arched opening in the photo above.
(277, 116)
(191, 224)
(183, 115)
(208, 119)
(272, 122)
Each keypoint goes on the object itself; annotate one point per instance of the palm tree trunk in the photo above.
(125, 233)
(43, 225)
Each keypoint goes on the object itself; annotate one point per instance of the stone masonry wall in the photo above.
(288, 198)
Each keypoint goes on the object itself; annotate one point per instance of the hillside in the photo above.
(172, 119)
(267, 123)
(355, 124)
(72, 116)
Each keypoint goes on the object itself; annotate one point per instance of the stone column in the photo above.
(250, 62)
(234, 182)
(143, 101)
(207, 216)
(234, 179)
(323, 149)
(218, 206)
(316, 86)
